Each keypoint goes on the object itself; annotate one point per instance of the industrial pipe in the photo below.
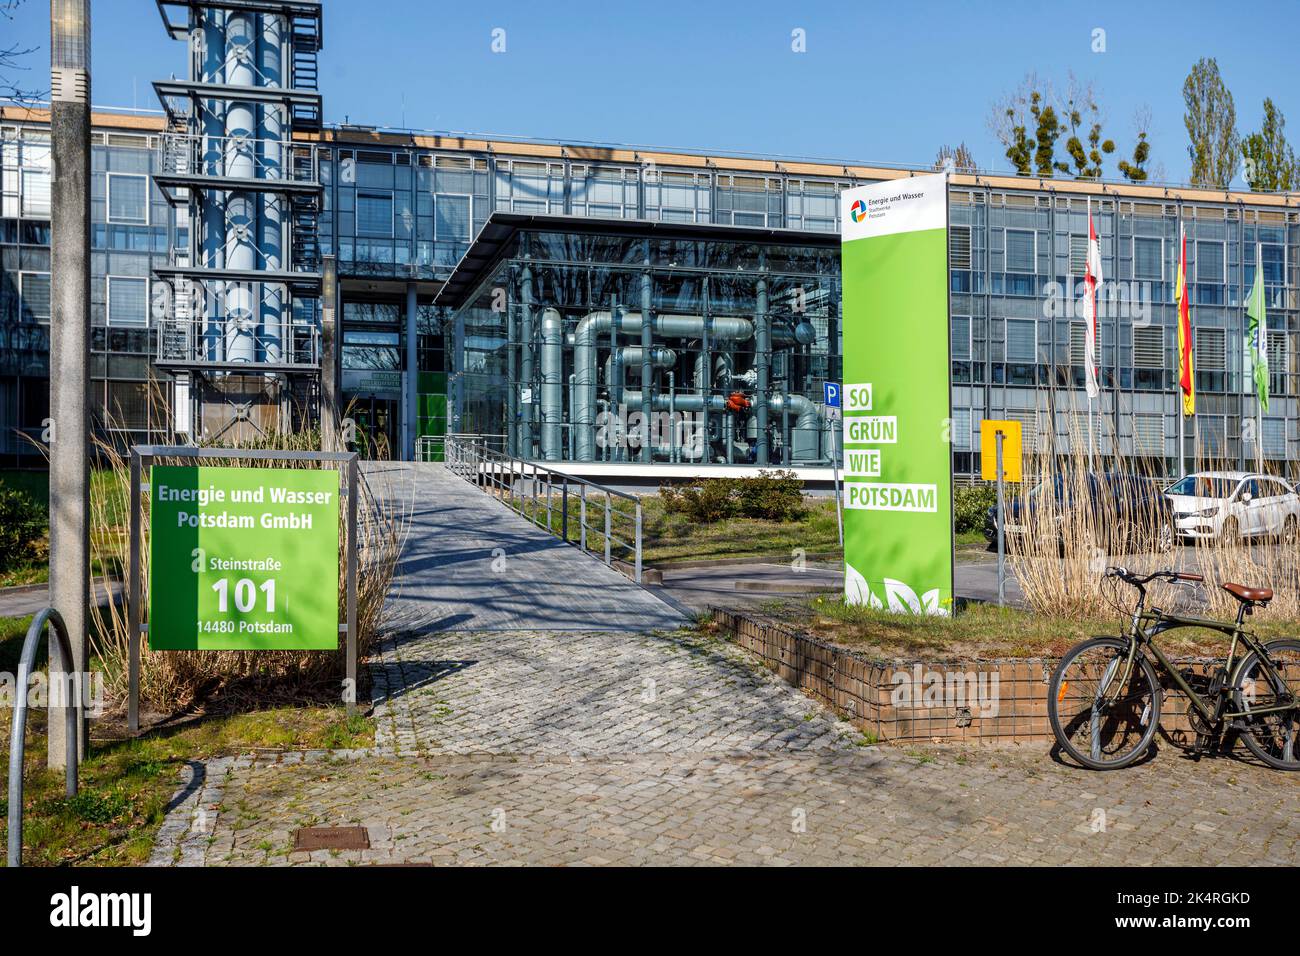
(552, 383)
(664, 326)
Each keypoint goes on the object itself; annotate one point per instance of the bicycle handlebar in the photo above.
(1137, 580)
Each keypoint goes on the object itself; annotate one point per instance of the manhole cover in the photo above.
(331, 838)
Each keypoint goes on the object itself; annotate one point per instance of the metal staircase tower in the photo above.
(239, 326)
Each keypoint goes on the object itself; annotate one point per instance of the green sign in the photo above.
(898, 545)
(243, 559)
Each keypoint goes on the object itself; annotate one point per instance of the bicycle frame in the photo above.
(1146, 625)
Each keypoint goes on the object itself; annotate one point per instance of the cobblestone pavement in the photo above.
(592, 694)
(526, 748)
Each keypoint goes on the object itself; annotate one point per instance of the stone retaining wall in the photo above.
(999, 701)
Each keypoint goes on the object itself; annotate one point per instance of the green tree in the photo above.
(1087, 162)
(1211, 121)
(1028, 123)
(1270, 161)
(1135, 169)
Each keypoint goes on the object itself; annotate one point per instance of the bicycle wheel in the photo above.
(1274, 737)
(1098, 723)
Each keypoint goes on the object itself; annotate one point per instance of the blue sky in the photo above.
(879, 82)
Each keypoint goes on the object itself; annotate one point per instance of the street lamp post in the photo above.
(67, 429)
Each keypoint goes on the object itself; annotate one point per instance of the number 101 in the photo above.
(245, 595)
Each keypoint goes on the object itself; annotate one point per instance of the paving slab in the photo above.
(470, 563)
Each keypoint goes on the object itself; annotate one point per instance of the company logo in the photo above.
(130, 910)
(858, 210)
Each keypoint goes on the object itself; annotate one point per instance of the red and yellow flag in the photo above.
(1186, 371)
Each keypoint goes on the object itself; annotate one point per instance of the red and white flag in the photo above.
(1091, 283)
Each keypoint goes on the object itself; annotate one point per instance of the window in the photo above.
(34, 293)
(1021, 255)
(35, 174)
(1078, 343)
(1277, 370)
(961, 337)
(128, 199)
(1209, 262)
(451, 218)
(1148, 346)
(1149, 435)
(961, 438)
(959, 247)
(1210, 355)
(374, 215)
(1212, 430)
(1022, 340)
(1275, 439)
(1078, 255)
(1148, 258)
(128, 300)
(1028, 427)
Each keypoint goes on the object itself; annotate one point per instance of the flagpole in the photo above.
(1178, 389)
(1092, 320)
(1261, 355)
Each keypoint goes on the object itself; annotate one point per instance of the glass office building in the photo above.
(401, 210)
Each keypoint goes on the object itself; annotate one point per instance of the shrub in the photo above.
(707, 501)
(22, 521)
(970, 507)
(769, 495)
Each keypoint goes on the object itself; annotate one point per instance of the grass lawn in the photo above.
(977, 631)
(126, 783)
(676, 537)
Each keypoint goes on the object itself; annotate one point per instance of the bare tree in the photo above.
(11, 61)
(958, 159)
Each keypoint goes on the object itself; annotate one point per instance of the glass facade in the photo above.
(402, 208)
(554, 352)
(132, 230)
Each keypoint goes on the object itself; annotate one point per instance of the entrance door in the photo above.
(377, 425)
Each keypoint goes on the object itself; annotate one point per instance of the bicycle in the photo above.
(1105, 695)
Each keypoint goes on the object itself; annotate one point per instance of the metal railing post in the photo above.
(564, 511)
(582, 519)
(532, 495)
(352, 587)
(607, 528)
(638, 541)
(550, 490)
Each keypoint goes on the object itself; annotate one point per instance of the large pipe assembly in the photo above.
(732, 423)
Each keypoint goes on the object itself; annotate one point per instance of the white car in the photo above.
(1234, 505)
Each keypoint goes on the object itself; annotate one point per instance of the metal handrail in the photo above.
(18, 733)
(501, 473)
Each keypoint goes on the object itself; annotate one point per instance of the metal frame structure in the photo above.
(520, 484)
(18, 733)
(253, 194)
(142, 454)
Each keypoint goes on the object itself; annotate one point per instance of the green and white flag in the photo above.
(1257, 332)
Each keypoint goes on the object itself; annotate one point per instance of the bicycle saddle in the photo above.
(1248, 594)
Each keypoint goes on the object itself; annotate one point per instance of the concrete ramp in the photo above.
(472, 564)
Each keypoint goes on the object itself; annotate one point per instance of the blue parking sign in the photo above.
(832, 390)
